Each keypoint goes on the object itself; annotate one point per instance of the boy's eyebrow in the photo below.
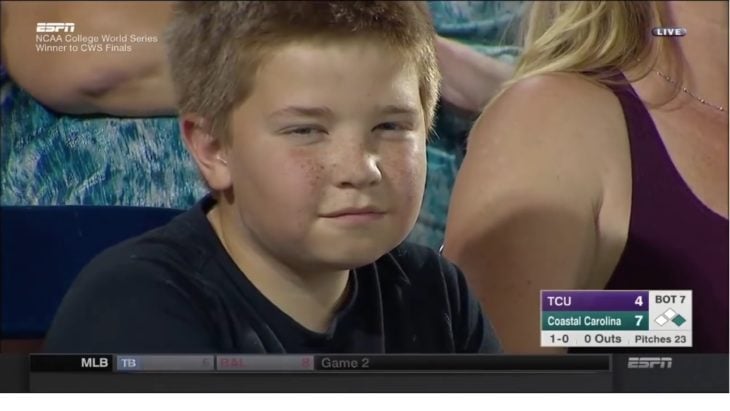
(396, 109)
(302, 111)
(327, 112)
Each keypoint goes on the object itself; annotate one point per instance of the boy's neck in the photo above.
(311, 299)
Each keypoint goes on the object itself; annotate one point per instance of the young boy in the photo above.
(308, 121)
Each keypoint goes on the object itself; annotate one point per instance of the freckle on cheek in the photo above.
(313, 172)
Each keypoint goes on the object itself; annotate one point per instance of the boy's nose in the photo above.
(357, 167)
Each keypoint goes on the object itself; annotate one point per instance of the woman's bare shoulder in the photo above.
(572, 100)
(557, 113)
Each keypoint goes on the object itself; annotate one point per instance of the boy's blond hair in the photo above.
(215, 48)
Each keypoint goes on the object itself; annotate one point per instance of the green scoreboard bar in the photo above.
(616, 318)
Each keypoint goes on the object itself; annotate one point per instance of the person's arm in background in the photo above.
(524, 213)
(470, 79)
(132, 83)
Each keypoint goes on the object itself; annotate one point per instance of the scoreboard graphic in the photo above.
(615, 318)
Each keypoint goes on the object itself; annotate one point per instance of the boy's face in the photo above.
(327, 157)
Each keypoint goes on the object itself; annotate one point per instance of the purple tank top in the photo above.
(674, 240)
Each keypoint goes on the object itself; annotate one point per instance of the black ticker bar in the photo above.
(464, 362)
(333, 363)
(71, 363)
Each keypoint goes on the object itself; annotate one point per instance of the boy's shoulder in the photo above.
(146, 294)
(175, 250)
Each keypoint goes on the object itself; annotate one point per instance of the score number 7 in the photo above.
(640, 302)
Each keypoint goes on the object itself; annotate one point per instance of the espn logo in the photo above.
(55, 27)
(650, 362)
(669, 31)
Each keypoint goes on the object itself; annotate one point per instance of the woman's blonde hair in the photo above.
(593, 38)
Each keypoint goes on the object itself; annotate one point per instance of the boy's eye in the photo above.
(304, 131)
(391, 127)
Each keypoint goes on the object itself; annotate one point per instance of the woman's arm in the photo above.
(470, 79)
(524, 210)
(133, 83)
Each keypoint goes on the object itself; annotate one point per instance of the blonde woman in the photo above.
(603, 164)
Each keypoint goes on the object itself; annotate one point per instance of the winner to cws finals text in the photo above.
(78, 43)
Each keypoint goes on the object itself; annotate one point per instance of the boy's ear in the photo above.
(209, 153)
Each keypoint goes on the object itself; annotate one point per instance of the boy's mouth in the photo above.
(355, 211)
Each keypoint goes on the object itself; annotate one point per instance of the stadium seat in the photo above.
(44, 248)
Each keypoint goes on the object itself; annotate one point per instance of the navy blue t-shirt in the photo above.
(176, 290)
